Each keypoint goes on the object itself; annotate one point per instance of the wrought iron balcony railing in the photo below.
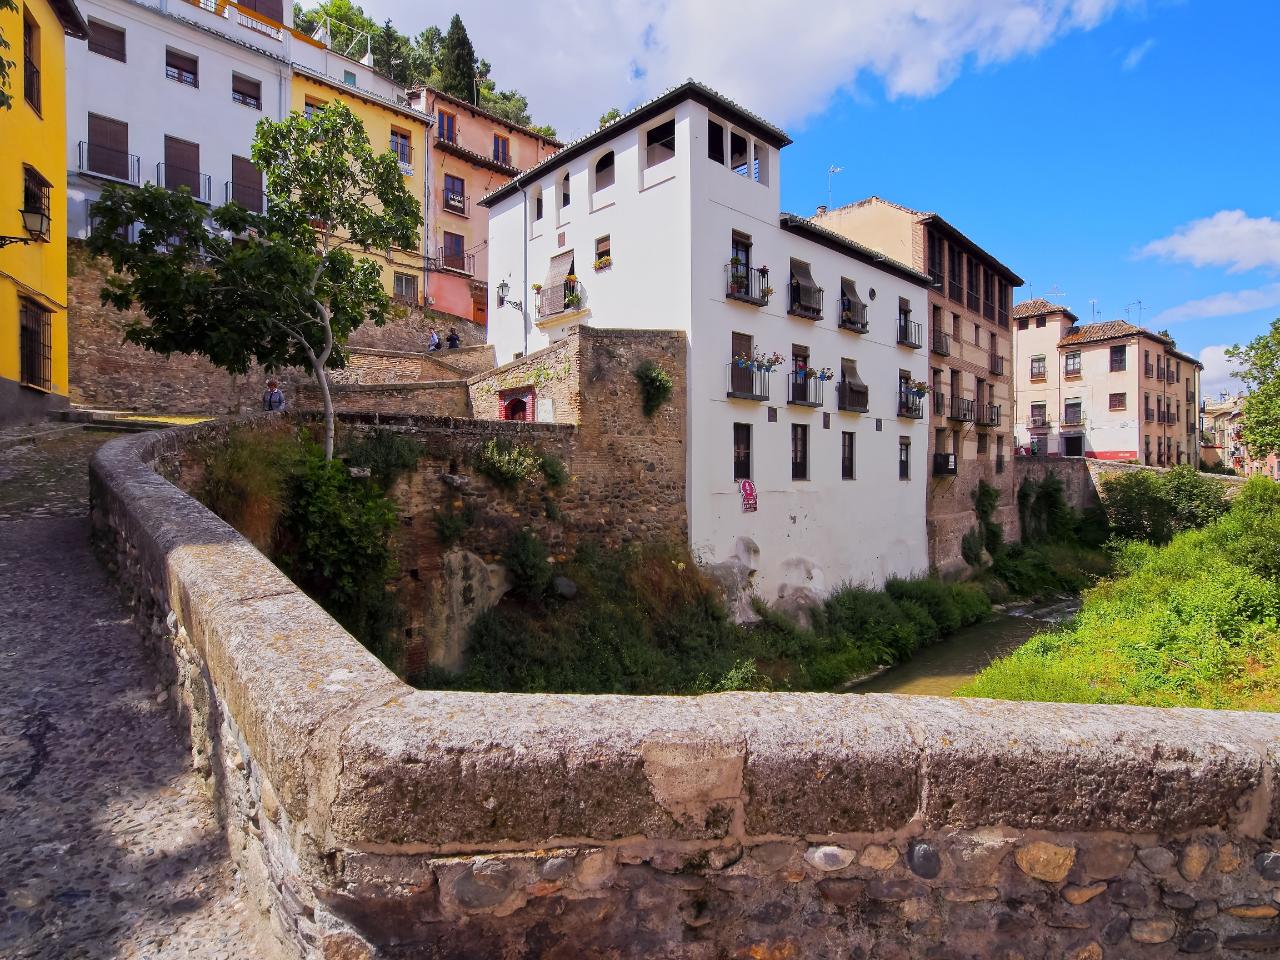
(747, 284)
(910, 405)
(746, 382)
(805, 302)
(805, 391)
(853, 397)
(910, 333)
(961, 408)
(173, 177)
(108, 162)
(941, 343)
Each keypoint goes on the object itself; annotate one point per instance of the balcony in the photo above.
(746, 382)
(747, 284)
(999, 463)
(173, 177)
(1160, 373)
(995, 363)
(107, 162)
(944, 464)
(569, 297)
(988, 415)
(910, 333)
(31, 83)
(1149, 370)
(941, 343)
(910, 406)
(1072, 419)
(805, 302)
(1038, 421)
(853, 316)
(971, 300)
(961, 409)
(452, 260)
(448, 135)
(939, 403)
(955, 290)
(458, 203)
(1038, 374)
(805, 391)
(1071, 370)
(249, 196)
(1191, 393)
(1149, 416)
(853, 397)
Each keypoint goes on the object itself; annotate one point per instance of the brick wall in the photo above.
(552, 373)
(438, 399)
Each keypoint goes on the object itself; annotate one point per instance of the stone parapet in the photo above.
(373, 820)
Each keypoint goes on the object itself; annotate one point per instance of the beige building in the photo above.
(1108, 390)
(968, 336)
(1222, 426)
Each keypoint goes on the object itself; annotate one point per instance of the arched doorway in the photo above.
(515, 409)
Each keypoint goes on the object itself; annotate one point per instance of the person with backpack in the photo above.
(273, 399)
(433, 341)
(453, 340)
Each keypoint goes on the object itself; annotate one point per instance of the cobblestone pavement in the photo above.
(108, 845)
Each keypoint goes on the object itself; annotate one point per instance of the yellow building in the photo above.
(389, 125)
(33, 209)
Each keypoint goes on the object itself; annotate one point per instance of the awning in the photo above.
(849, 291)
(553, 289)
(849, 374)
(800, 274)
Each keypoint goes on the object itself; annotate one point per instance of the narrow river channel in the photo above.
(940, 670)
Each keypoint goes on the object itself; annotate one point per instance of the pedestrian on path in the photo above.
(453, 340)
(273, 399)
(433, 341)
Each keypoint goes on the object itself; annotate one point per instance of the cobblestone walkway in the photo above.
(108, 845)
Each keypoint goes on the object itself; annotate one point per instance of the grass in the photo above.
(1189, 624)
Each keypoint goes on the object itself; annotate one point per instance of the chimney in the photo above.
(822, 208)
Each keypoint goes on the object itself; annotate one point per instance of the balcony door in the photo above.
(108, 147)
(740, 376)
(182, 165)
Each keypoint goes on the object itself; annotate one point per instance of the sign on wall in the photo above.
(748, 490)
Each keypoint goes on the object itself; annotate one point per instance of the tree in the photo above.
(284, 288)
(458, 63)
(608, 118)
(6, 101)
(1259, 363)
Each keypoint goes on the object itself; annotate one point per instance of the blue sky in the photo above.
(1107, 150)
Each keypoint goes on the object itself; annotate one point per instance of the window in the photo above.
(604, 171)
(106, 40)
(108, 148)
(402, 145)
(31, 62)
(1024, 323)
(715, 142)
(405, 287)
(740, 246)
(447, 127)
(904, 458)
(977, 335)
(1072, 366)
(988, 294)
(742, 451)
(35, 195)
(272, 9)
(935, 257)
(955, 282)
(973, 286)
(182, 166)
(182, 68)
(1037, 368)
(1119, 358)
(1039, 415)
(455, 194)
(564, 190)
(955, 325)
(502, 149)
(1041, 322)
(853, 311)
(35, 345)
(537, 204)
(246, 91)
(799, 451)
(349, 78)
(246, 184)
(982, 443)
(1118, 401)
(660, 143)
(454, 255)
(1071, 413)
(739, 162)
(311, 107)
(602, 248)
(848, 450)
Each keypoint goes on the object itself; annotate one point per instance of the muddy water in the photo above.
(940, 670)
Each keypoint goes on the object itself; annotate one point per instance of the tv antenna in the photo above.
(1128, 316)
(324, 33)
(831, 172)
(1094, 305)
(1055, 292)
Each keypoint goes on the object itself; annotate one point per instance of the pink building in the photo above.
(473, 152)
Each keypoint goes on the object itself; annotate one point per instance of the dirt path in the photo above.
(108, 845)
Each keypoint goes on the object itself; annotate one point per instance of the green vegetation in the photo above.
(655, 387)
(1259, 368)
(646, 620)
(1152, 508)
(505, 463)
(452, 525)
(553, 470)
(327, 530)
(6, 98)
(1189, 623)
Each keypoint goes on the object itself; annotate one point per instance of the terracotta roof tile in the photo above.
(1037, 308)
(1107, 330)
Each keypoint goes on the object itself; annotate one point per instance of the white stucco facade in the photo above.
(670, 227)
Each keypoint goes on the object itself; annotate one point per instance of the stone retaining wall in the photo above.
(1081, 476)
(441, 398)
(373, 820)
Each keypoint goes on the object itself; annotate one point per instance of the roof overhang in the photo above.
(932, 219)
(72, 20)
(800, 226)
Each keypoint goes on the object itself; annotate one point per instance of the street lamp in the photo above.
(36, 223)
(503, 289)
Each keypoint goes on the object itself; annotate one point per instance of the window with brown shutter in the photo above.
(246, 91)
(181, 165)
(182, 67)
(106, 40)
(108, 148)
(273, 9)
(246, 184)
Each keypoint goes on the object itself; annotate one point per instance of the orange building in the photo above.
(473, 152)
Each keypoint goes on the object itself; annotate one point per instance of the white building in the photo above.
(681, 196)
(170, 91)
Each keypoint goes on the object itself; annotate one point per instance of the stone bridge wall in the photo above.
(373, 820)
(1081, 476)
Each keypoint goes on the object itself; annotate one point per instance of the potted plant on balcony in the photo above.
(603, 263)
(536, 287)
(918, 388)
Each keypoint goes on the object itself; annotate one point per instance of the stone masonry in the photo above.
(373, 820)
(1082, 476)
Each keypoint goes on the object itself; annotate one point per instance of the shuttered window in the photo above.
(106, 40)
(108, 148)
(553, 291)
(246, 91)
(182, 67)
(246, 184)
(268, 8)
(181, 165)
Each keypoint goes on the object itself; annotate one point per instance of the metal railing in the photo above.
(805, 391)
(805, 302)
(944, 464)
(31, 83)
(989, 309)
(1149, 416)
(745, 382)
(1073, 418)
(1160, 373)
(448, 136)
(988, 414)
(995, 363)
(939, 404)
(941, 343)
(960, 408)
(174, 178)
(181, 76)
(1072, 368)
(910, 333)
(448, 260)
(748, 284)
(249, 196)
(910, 405)
(1149, 370)
(853, 397)
(458, 203)
(250, 22)
(853, 316)
(246, 100)
(972, 301)
(955, 289)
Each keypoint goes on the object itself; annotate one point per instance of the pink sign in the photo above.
(748, 490)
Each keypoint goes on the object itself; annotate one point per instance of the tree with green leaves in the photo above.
(608, 118)
(6, 100)
(1259, 363)
(284, 288)
(458, 63)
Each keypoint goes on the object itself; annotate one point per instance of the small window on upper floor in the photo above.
(446, 127)
(660, 143)
(31, 61)
(402, 145)
(604, 256)
(246, 91)
(715, 142)
(106, 40)
(182, 67)
(535, 205)
(760, 169)
(604, 171)
(1041, 322)
(311, 107)
(565, 195)
(349, 78)
(739, 161)
(502, 149)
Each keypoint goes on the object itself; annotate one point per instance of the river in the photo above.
(946, 666)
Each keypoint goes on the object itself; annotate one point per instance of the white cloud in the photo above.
(574, 59)
(1229, 238)
(1221, 305)
(1135, 56)
(1218, 374)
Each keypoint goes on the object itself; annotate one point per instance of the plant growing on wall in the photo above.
(655, 387)
(506, 463)
(6, 99)
(284, 288)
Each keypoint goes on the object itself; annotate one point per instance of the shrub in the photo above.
(553, 470)
(655, 386)
(971, 547)
(1136, 506)
(985, 500)
(934, 595)
(1194, 499)
(505, 463)
(526, 560)
(385, 453)
(452, 525)
(246, 480)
